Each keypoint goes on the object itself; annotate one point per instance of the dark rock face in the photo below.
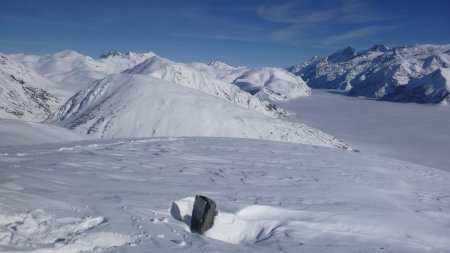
(202, 214)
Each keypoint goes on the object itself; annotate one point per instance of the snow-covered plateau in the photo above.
(132, 195)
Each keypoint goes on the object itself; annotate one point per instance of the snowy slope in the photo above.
(406, 74)
(205, 82)
(25, 94)
(20, 132)
(130, 105)
(272, 83)
(129, 195)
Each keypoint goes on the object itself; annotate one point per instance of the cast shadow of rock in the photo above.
(176, 214)
(181, 210)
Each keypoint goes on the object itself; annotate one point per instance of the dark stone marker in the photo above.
(202, 214)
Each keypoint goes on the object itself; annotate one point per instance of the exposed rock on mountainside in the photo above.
(23, 93)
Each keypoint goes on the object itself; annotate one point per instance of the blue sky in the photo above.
(253, 33)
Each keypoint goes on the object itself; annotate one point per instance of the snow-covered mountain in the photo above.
(418, 73)
(132, 105)
(184, 75)
(272, 83)
(24, 94)
(266, 83)
(74, 71)
(220, 70)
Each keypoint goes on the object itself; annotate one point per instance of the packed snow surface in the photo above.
(20, 132)
(134, 195)
(129, 105)
(412, 132)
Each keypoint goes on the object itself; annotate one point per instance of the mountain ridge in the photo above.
(393, 74)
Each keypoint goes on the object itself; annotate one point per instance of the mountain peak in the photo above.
(111, 54)
(343, 55)
(378, 48)
(218, 64)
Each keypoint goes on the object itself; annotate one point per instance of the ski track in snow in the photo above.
(117, 195)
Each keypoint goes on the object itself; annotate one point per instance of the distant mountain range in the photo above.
(143, 94)
(419, 73)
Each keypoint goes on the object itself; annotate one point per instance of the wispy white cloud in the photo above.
(350, 11)
(308, 20)
(358, 33)
(216, 37)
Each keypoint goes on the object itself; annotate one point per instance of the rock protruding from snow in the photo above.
(127, 105)
(273, 83)
(114, 53)
(202, 214)
(405, 74)
(187, 76)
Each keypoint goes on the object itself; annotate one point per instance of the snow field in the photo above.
(271, 196)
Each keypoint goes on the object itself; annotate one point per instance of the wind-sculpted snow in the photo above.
(122, 196)
(130, 105)
(405, 74)
(24, 94)
(187, 76)
(273, 83)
